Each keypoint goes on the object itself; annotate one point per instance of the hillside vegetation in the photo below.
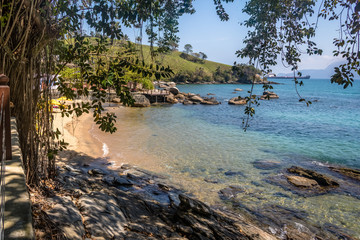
(191, 69)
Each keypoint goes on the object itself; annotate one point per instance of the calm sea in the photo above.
(196, 145)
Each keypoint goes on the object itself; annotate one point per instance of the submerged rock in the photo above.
(321, 179)
(230, 192)
(266, 164)
(234, 173)
(302, 181)
(351, 173)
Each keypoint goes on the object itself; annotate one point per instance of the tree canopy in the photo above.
(40, 38)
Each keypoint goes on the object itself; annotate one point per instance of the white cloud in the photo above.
(317, 62)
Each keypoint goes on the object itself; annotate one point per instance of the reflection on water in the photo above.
(203, 149)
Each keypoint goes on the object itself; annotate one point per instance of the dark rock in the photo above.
(96, 172)
(256, 184)
(230, 192)
(126, 166)
(351, 173)
(211, 180)
(210, 94)
(71, 169)
(321, 179)
(266, 164)
(338, 232)
(234, 173)
(174, 90)
(187, 203)
(163, 187)
(116, 181)
(280, 194)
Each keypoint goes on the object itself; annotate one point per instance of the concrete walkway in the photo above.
(18, 218)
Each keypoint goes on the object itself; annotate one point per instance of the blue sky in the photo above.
(220, 40)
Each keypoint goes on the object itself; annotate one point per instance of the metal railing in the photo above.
(5, 143)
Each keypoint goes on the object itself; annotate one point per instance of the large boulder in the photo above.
(237, 101)
(171, 99)
(210, 101)
(180, 96)
(141, 101)
(267, 95)
(174, 90)
(196, 98)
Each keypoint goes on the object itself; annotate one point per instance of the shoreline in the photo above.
(102, 163)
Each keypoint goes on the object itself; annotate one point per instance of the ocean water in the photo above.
(196, 145)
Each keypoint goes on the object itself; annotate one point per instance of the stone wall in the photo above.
(18, 218)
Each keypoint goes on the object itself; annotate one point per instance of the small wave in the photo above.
(105, 149)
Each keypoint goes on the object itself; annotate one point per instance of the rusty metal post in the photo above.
(5, 89)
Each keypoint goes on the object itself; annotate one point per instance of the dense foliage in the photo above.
(240, 73)
(41, 38)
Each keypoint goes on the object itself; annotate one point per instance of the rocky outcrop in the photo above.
(322, 180)
(174, 90)
(196, 98)
(171, 99)
(237, 101)
(137, 204)
(141, 101)
(302, 181)
(351, 173)
(267, 95)
(210, 101)
(66, 215)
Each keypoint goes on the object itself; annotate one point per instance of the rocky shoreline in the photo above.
(89, 201)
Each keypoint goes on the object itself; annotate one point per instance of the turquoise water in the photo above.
(193, 144)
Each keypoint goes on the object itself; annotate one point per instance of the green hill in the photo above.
(178, 64)
(189, 68)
